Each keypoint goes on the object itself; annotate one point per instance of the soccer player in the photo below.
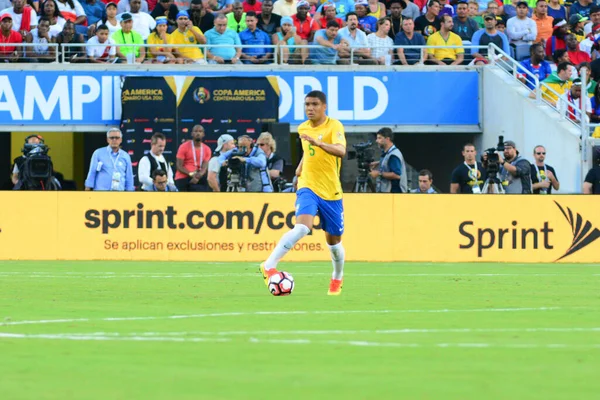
(319, 188)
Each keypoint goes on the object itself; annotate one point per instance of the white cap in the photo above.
(222, 140)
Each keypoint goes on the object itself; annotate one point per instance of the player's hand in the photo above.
(311, 140)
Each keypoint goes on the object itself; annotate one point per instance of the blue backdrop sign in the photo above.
(356, 98)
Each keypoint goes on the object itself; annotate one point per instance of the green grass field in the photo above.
(141, 330)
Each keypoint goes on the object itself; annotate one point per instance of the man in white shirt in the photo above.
(19, 10)
(154, 160)
(521, 29)
(101, 48)
(124, 6)
(143, 23)
(357, 40)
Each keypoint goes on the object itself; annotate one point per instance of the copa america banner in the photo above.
(173, 105)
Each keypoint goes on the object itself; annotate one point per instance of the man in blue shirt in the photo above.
(408, 37)
(536, 65)
(220, 35)
(329, 41)
(368, 23)
(490, 34)
(254, 36)
(110, 168)
(95, 10)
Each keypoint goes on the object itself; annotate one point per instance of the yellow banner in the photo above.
(246, 227)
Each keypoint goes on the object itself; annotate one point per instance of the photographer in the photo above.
(515, 173)
(251, 162)
(160, 182)
(391, 172)
(19, 161)
(154, 161)
(217, 171)
(469, 177)
(34, 170)
(275, 164)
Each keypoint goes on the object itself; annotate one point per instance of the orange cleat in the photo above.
(335, 287)
(266, 274)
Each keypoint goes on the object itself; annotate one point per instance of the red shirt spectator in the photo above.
(323, 22)
(190, 162)
(576, 56)
(7, 35)
(304, 28)
(252, 5)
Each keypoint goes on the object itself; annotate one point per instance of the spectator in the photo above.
(581, 7)
(556, 10)
(220, 35)
(558, 82)
(286, 39)
(127, 36)
(356, 40)
(41, 52)
(101, 48)
(543, 176)
(397, 16)
(445, 37)
(589, 43)
(515, 171)
(390, 170)
(408, 37)
(160, 37)
(367, 23)
(557, 40)
(168, 9)
(474, 13)
(594, 17)
(542, 21)
(501, 25)
(95, 11)
(330, 15)
(286, 8)
(160, 183)
(254, 166)
(329, 41)
(220, 6)
(429, 23)
(376, 9)
(267, 21)
(125, 6)
(110, 20)
(143, 23)
(57, 22)
(521, 29)
(575, 55)
(304, 24)
(490, 34)
(425, 183)
(24, 17)
(187, 34)
(236, 21)
(254, 36)
(380, 43)
(492, 8)
(573, 96)
(464, 26)
(71, 10)
(68, 36)
(585, 68)
(408, 9)
(7, 35)
(192, 163)
(468, 177)
(252, 5)
(510, 10)
(536, 65)
(575, 26)
(342, 7)
(155, 161)
(591, 185)
(201, 19)
(217, 171)
(275, 164)
(110, 168)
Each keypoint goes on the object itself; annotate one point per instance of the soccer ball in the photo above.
(281, 284)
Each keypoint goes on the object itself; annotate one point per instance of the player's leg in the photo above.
(306, 209)
(332, 221)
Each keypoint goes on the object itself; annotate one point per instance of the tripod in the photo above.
(234, 184)
(492, 185)
(363, 182)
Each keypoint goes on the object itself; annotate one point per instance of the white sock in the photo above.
(338, 255)
(286, 243)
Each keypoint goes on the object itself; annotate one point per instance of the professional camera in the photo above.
(493, 166)
(235, 174)
(364, 156)
(37, 171)
(283, 185)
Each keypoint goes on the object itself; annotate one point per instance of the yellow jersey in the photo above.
(187, 37)
(156, 40)
(321, 170)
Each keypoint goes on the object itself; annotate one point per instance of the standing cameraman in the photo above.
(19, 161)
(470, 176)
(515, 172)
(391, 172)
(254, 165)
(217, 171)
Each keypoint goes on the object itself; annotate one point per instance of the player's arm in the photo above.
(299, 168)
(335, 149)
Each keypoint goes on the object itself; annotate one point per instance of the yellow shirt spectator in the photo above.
(155, 39)
(187, 37)
(437, 40)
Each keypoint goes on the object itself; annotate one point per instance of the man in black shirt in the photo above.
(470, 176)
(267, 21)
(543, 176)
(592, 181)
(429, 23)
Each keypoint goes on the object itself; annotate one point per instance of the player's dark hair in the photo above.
(426, 172)
(386, 132)
(317, 94)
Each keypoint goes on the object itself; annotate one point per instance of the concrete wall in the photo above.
(508, 111)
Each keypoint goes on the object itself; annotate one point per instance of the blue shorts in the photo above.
(331, 212)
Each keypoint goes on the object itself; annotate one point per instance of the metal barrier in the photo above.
(22, 53)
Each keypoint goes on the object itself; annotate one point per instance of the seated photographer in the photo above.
(160, 182)
(391, 169)
(253, 165)
(425, 182)
(217, 170)
(515, 172)
(274, 163)
(469, 177)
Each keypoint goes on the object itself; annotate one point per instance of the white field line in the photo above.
(254, 340)
(258, 313)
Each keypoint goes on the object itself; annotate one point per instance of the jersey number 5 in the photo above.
(311, 150)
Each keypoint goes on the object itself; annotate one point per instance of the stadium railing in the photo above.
(25, 52)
